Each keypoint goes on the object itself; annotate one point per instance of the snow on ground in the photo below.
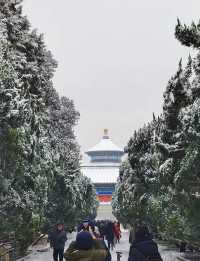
(123, 247)
(47, 254)
(167, 254)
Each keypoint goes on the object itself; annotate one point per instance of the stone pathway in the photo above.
(47, 254)
(167, 254)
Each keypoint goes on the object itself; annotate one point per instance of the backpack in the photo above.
(141, 257)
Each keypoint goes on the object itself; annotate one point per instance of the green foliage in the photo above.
(160, 182)
(188, 36)
(40, 179)
(138, 176)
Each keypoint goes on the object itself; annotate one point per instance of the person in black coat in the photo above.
(101, 226)
(108, 254)
(143, 247)
(57, 240)
(109, 233)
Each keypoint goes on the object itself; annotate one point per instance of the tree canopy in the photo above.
(40, 176)
(160, 181)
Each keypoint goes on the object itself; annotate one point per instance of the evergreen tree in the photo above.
(69, 189)
(188, 36)
(138, 177)
(39, 155)
(171, 144)
(164, 157)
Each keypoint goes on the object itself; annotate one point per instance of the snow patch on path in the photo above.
(48, 254)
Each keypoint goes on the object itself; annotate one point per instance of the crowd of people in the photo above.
(95, 240)
(109, 231)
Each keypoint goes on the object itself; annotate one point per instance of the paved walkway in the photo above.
(123, 247)
(167, 254)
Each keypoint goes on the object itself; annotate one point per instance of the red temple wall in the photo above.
(104, 198)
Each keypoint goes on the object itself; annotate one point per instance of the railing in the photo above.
(10, 253)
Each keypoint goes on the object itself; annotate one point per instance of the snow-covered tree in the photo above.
(39, 155)
(68, 191)
(138, 176)
(188, 35)
(163, 158)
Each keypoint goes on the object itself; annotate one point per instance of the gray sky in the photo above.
(115, 58)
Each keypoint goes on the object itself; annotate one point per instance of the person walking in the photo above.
(102, 226)
(109, 232)
(57, 241)
(132, 235)
(117, 231)
(143, 247)
(108, 254)
(84, 226)
(85, 248)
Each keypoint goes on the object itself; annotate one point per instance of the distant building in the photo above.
(103, 168)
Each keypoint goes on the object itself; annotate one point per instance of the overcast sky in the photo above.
(115, 58)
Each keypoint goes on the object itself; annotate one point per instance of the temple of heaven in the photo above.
(103, 167)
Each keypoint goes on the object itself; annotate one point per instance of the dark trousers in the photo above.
(58, 252)
(110, 244)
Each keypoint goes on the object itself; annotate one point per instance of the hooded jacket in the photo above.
(144, 250)
(96, 253)
(109, 232)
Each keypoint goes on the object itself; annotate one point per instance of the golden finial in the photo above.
(105, 134)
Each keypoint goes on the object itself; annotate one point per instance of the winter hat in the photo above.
(84, 240)
(60, 222)
(142, 233)
(86, 220)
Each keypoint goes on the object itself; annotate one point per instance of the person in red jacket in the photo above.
(117, 231)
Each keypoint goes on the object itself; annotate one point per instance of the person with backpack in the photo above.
(85, 248)
(143, 247)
